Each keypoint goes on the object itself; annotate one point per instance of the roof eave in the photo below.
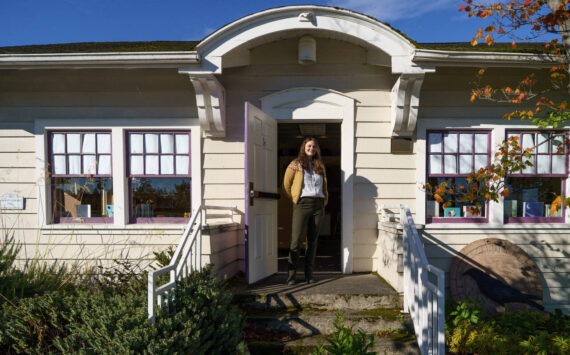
(483, 59)
(99, 60)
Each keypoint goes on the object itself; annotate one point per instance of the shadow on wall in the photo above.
(366, 218)
(552, 271)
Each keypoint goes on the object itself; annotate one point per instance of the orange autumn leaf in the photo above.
(556, 204)
(474, 42)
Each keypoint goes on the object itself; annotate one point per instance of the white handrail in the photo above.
(186, 259)
(424, 288)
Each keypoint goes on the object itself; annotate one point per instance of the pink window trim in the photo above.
(457, 175)
(144, 220)
(72, 220)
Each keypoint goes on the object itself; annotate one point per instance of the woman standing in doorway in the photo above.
(305, 183)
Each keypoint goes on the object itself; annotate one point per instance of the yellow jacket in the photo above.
(293, 182)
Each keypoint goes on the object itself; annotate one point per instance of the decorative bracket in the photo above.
(211, 103)
(405, 104)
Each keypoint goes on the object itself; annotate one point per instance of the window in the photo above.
(532, 190)
(81, 176)
(159, 176)
(451, 156)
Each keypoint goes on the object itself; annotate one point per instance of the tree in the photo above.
(520, 20)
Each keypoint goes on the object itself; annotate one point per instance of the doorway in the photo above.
(290, 136)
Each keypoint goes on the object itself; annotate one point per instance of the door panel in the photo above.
(260, 212)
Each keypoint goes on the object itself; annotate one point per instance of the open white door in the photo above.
(260, 194)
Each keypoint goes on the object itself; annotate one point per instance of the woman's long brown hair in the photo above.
(318, 165)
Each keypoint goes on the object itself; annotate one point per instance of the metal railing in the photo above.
(186, 259)
(424, 288)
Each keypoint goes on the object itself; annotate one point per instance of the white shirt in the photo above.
(312, 183)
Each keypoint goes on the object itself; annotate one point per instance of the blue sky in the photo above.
(24, 22)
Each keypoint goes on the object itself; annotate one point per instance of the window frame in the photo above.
(522, 175)
(51, 168)
(129, 176)
(457, 154)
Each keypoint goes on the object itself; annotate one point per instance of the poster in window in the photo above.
(468, 211)
(533, 209)
(548, 214)
(511, 208)
(432, 209)
(452, 212)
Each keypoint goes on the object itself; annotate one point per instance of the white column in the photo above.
(120, 190)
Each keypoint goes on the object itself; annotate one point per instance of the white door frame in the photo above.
(325, 105)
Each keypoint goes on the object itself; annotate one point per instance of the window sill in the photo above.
(510, 226)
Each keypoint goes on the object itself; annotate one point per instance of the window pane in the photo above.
(88, 143)
(513, 135)
(481, 143)
(527, 140)
(104, 165)
(82, 197)
(151, 142)
(167, 164)
(103, 143)
(457, 208)
(450, 142)
(58, 143)
(160, 197)
(151, 164)
(182, 165)
(74, 165)
(465, 164)
(434, 142)
(89, 164)
(435, 164)
(557, 144)
(182, 144)
(74, 143)
(529, 169)
(450, 164)
(532, 197)
(542, 146)
(59, 164)
(166, 143)
(137, 165)
(137, 143)
(559, 164)
(543, 164)
(466, 143)
(480, 161)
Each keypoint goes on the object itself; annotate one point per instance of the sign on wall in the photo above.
(11, 202)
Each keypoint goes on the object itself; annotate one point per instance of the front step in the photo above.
(293, 319)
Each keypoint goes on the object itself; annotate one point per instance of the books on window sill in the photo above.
(548, 214)
(452, 212)
(510, 208)
(533, 209)
(468, 212)
(432, 209)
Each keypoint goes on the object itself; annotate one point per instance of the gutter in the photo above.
(125, 60)
(484, 59)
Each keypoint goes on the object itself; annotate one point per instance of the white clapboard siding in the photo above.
(18, 160)
(381, 114)
(26, 144)
(372, 145)
(16, 129)
(379, 176)
(386, 191)
(385, 161)
(373, 129)
(223, 176)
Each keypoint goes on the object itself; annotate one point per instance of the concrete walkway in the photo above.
(327, 284)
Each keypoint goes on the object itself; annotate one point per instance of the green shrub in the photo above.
(101, 322)
(523, 332)
(32, 278)
(345, 341)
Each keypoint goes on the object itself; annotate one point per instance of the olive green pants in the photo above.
(308, 214)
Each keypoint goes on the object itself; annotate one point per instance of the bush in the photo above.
(471, 331)
(95, 321)
(345, 341)
(31, 279)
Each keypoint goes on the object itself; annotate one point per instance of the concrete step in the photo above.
(299, 324)
(320, 301)
(388, 345)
